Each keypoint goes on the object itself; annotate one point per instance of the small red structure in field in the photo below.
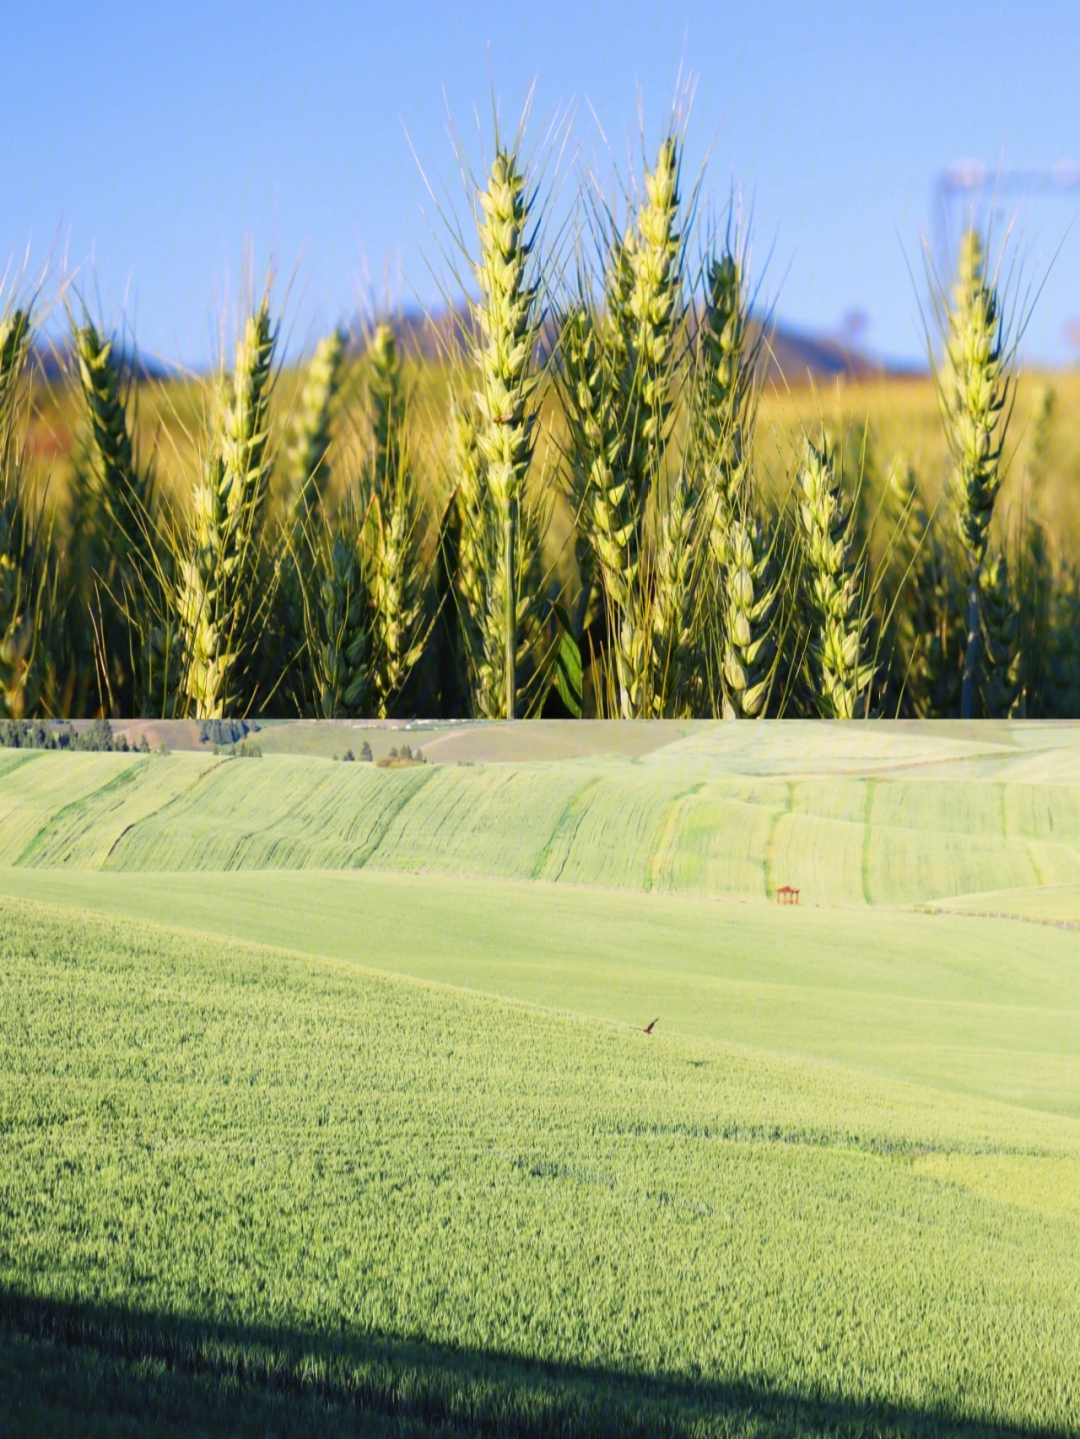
(786, 895)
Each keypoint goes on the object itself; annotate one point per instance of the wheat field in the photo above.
(327, 1104)
(587, 490)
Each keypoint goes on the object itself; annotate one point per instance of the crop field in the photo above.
(327, 1108)
(247, 1187)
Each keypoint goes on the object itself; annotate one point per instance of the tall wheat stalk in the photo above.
(395, 577)
(220, 599)
(507, 319)
(927, 608)
(974, 390)
(22, 577)
(136, 658)
(841, 675)
(621, 372)
(307, 462)
(337, 620)
(307, 475)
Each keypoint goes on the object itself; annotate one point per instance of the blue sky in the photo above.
(151, 144)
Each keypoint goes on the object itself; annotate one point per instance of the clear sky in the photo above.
(151, 144)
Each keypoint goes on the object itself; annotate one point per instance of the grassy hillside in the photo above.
(251, 1193)
(979, 1006)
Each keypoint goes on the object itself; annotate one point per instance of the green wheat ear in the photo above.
(133, 562)
(723, 394)
(338, 621)
(307, 474)
(974, 390)
(841, 675)
(632, 401)
(15, 333)
(308, 465)
(750, 601)
(508, 321)
(222, 591)
(22, 577)
(722, 417)
(589, 419)
(974, 393)
(394, 572)
(387, 401)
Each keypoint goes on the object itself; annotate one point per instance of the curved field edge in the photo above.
(216, 1155)
(680, 825)
(976, 1006)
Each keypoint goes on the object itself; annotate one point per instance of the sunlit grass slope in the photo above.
(247, 1193)
(978, 1006)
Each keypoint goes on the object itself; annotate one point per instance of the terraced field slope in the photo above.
(876, 815)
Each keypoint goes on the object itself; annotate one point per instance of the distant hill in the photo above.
(799, 357)
(54, 360)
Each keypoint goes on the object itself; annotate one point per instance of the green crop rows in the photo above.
(333, 1189)
(325, 1105)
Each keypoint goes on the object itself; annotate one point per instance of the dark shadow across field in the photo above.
(110, 1371)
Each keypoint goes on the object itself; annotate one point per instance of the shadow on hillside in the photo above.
(146, 1373)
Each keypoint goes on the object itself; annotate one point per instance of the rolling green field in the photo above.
(326, 1107)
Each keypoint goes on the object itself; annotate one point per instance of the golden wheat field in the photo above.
(899, 415)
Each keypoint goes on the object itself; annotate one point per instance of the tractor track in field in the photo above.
(997, 914)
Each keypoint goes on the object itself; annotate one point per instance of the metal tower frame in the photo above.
(982, 186)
